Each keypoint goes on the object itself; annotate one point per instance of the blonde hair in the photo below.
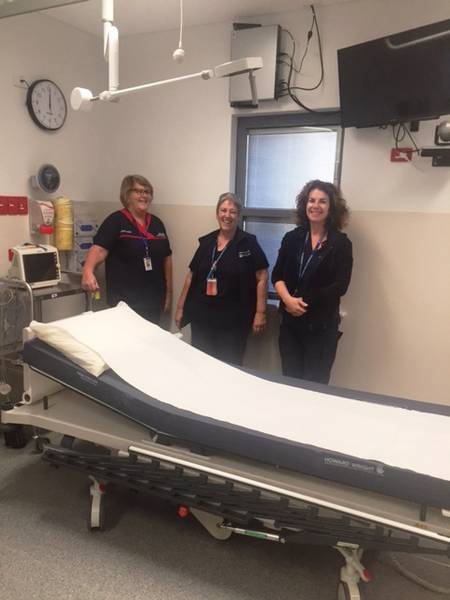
(128, 183)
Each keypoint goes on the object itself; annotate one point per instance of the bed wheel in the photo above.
(39, 443)
(96, 519)
(345, 592)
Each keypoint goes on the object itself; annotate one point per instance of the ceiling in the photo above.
(143, 16)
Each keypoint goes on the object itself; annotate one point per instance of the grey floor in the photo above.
(147, 552)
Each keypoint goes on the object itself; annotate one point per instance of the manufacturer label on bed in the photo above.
(343, 463)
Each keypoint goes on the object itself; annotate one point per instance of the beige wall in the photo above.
(396, 326)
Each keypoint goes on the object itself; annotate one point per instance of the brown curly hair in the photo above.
(339, 212)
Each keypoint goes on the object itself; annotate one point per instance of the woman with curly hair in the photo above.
(312, 272)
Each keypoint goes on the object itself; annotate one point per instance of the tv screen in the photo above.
(398, 78)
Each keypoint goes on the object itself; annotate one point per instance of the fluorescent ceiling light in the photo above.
(9, 8)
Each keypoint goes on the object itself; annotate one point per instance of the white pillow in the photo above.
(62, 340)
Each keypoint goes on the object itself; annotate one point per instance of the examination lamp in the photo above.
(82, 98)
(442, 133)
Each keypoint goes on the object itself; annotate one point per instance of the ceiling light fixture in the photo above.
(82, 98)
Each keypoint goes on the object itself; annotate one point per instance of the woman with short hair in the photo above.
(137, 254)
(224, 294)
(312, 272)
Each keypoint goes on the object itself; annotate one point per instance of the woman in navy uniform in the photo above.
(312, 272)
(136, 250)
(224, 294)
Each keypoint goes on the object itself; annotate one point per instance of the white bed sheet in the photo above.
(168, 369)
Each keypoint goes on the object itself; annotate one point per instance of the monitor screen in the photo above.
(402, 77)
(40, 267)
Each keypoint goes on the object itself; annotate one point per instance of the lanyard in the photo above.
(302, 268)
(144, 234)
(214, 262)
(141, 228)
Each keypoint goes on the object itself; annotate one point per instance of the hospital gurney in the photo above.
(206, 468)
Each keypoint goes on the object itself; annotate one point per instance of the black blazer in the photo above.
(325, 280)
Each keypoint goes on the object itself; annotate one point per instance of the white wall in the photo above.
(34, 47)
(178, 135)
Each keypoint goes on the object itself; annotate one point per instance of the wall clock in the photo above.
(46, 104)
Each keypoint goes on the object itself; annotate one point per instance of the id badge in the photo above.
(148, 263)
(211, 287)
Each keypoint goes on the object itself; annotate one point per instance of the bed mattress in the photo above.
(207, 434)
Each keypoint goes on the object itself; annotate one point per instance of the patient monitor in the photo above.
(37, 264)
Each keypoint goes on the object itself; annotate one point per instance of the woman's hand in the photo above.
(259, 322)
(295, 306)
(89, 282)
(178, 317)
(95, 256)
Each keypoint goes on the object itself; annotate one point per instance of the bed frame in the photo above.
(225, 489)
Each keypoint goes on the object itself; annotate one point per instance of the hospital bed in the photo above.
(229, 466)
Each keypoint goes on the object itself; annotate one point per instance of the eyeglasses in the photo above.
(141, 192)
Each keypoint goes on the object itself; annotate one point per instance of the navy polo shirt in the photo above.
(126, 277)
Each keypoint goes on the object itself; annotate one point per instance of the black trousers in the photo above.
(308, 354)
(226, 344)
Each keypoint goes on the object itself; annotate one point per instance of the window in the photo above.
(276, 156)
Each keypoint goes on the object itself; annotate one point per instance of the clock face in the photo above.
(46, 104)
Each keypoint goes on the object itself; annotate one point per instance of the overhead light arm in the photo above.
(110, 95)
(82, 98)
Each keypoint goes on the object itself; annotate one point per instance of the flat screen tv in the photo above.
(398, 78)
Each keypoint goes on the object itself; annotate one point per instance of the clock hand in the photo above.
(50, 100)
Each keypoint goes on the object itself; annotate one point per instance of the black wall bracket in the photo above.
(440, 156)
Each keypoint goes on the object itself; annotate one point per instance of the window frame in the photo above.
(271, 123)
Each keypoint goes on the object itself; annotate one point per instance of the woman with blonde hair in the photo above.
(135, 248)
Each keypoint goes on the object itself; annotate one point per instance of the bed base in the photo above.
(247, 506)
(229, 495)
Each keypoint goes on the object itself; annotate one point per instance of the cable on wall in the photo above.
(399, 133)
(288, 89)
